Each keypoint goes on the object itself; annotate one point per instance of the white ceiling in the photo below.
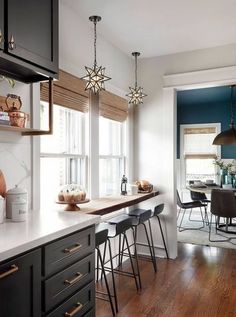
(161, 27)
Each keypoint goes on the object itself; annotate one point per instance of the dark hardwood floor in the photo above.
(200, 283)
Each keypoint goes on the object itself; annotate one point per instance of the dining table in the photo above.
(206, 189)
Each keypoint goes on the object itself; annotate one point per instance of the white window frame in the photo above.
(181, 157)
(123, 157)
(82, 156)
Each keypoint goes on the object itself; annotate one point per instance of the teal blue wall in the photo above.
(190, 111)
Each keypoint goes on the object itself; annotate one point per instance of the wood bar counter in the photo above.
(105, 205)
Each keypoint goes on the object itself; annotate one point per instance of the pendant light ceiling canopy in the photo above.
(96, 75)
(228, 137)
(136, 94)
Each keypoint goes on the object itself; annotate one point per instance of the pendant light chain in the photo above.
(136, 71)
(95, 43)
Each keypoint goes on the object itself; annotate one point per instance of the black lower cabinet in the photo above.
(20, 286)
(78, 304)
(55, 280)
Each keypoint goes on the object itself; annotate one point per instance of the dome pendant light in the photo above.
(228, 137)
(136, 94)
(95, 76)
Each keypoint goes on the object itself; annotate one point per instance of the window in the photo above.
(63, 159)
(197, 152)
(112, 135)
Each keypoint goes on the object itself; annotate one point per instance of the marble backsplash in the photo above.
(15, 150)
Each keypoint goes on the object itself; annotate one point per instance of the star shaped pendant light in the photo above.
(136, 94)
(95, 75)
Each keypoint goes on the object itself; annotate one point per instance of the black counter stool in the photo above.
(156, 212)
(101, 236)
(142, 216)
(118, 227)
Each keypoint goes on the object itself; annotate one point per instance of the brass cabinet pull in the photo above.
(14, 268)
(75, 279)
(73, 249)
(75, 310)
(11, 43)
(1, 37)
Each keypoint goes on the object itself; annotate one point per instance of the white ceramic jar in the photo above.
(19, 210)
(13, 195)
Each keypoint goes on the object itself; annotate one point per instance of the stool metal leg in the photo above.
(150, 248)
(104, 256)
(132, 264)
(136, 255)
(112, 275)
(105, 279)
(163, 238)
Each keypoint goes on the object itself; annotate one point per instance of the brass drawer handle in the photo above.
(75, 310)
(73, 249)
(14, 268)
(75, 279)
(11, 43)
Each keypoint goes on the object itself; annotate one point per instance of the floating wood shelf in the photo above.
(31, 131)
(24, 131)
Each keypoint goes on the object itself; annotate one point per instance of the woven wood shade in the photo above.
(113, 107)
(201, 156)
(206, 130)
(68, 92)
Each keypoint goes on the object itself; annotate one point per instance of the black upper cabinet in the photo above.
(1, 24)
(30, 39)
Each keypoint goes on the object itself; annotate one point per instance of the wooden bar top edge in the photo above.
(105, 205)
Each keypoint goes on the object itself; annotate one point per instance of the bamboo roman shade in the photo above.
(113, 107)
(198, 143)
(68, 92)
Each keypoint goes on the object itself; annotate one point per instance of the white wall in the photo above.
(155, 121)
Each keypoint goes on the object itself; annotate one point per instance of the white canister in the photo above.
(2, 209)
(19, 210)
(15, 194)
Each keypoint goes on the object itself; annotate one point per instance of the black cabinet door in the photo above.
(32, 31)
(1, 24)
(20, 286)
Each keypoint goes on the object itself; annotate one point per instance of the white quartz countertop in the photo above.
(40, 228)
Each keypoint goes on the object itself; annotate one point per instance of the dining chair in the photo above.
(196, 196)
(189, 205)
(223, 205)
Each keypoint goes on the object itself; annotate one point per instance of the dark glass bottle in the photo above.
(123, 186)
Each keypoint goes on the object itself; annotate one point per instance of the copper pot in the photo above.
(18, 119)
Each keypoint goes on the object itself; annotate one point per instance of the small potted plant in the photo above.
(10, 81)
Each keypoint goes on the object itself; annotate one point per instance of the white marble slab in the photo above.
(40, 228)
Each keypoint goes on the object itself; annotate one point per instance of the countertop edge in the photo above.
(37, 242)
